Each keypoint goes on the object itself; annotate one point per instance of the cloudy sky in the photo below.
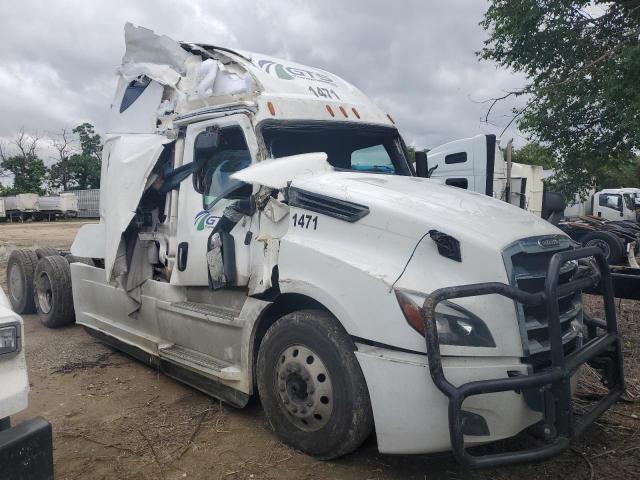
(415, 58)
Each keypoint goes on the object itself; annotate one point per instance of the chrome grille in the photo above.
(527, 262)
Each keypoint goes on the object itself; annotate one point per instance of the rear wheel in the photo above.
(609, 243)
(311, 386)
(20, 270)
(53, 295)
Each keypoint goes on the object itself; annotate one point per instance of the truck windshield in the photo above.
(349, 146)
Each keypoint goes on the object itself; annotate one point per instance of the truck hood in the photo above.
(415, 205)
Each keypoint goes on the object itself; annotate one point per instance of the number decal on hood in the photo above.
(303, 221)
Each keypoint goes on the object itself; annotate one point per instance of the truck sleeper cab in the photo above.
(281, 245)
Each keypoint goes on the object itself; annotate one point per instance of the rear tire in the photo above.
(311, 386)
(46, 252)
(53, 294)
(20, 271)
(608, 242)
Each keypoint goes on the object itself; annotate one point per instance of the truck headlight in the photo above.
(9, 339)
(456, 325)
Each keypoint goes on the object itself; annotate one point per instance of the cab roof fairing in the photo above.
(198, 76)
(191, 78)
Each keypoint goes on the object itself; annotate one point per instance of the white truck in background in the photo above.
(478, 164)
(25, 448)
(263, 233)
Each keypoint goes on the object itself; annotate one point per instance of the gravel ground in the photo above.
(116, 418)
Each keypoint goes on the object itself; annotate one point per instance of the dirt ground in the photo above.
(113, 417)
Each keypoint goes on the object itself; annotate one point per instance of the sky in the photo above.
(415, 59)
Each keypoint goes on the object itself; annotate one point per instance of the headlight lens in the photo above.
(8, 339)
(455, 325)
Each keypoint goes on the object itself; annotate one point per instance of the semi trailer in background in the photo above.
(21, 207)
(64, 205)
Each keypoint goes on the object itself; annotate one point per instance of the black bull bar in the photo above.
(601, 349)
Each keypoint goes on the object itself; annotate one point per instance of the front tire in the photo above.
(311, 386)
(53, 294)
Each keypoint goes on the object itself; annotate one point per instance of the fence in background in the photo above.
(88, 202)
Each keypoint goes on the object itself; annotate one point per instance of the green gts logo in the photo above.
(289, 73)
(205, 220)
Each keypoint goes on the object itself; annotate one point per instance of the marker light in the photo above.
(355, 112)
(344, 112)
(272, 109)
(330, 110)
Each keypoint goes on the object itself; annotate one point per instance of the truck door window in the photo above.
(458, 182)
(629, 201)
(213, 178)
(610, 200)
(458, 157)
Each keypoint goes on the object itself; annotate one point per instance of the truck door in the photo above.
(469, 163)
(608, 206)
(236, 149)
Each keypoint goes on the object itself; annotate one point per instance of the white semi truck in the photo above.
(607, 220)
(263, 233)
(26, 447)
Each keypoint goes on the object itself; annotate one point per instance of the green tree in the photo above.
(61, 175)
(23, 165)
(534, 154)
(582, 61)
(85, 166)
(78, 165)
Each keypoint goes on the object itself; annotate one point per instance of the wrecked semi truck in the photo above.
(263, 233)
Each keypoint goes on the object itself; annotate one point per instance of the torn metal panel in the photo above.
(157, 56)
(264, 259)
(127, 163)
(277, 173)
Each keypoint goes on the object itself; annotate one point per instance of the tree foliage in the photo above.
(582, 61)
(78, 165)
(535, 154)
(28, 171)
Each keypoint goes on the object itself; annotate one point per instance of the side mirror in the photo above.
(422, 164)
(207, 142)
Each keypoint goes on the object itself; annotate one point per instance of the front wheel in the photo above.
(311, 386)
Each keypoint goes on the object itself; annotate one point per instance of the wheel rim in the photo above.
(43, 293)
(16, 289)
(304, 385)
(602, 245)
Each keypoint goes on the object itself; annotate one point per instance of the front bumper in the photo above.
(601, 351)
(26, 451)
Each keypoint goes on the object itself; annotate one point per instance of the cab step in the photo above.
(199, 362)
(205, 311)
